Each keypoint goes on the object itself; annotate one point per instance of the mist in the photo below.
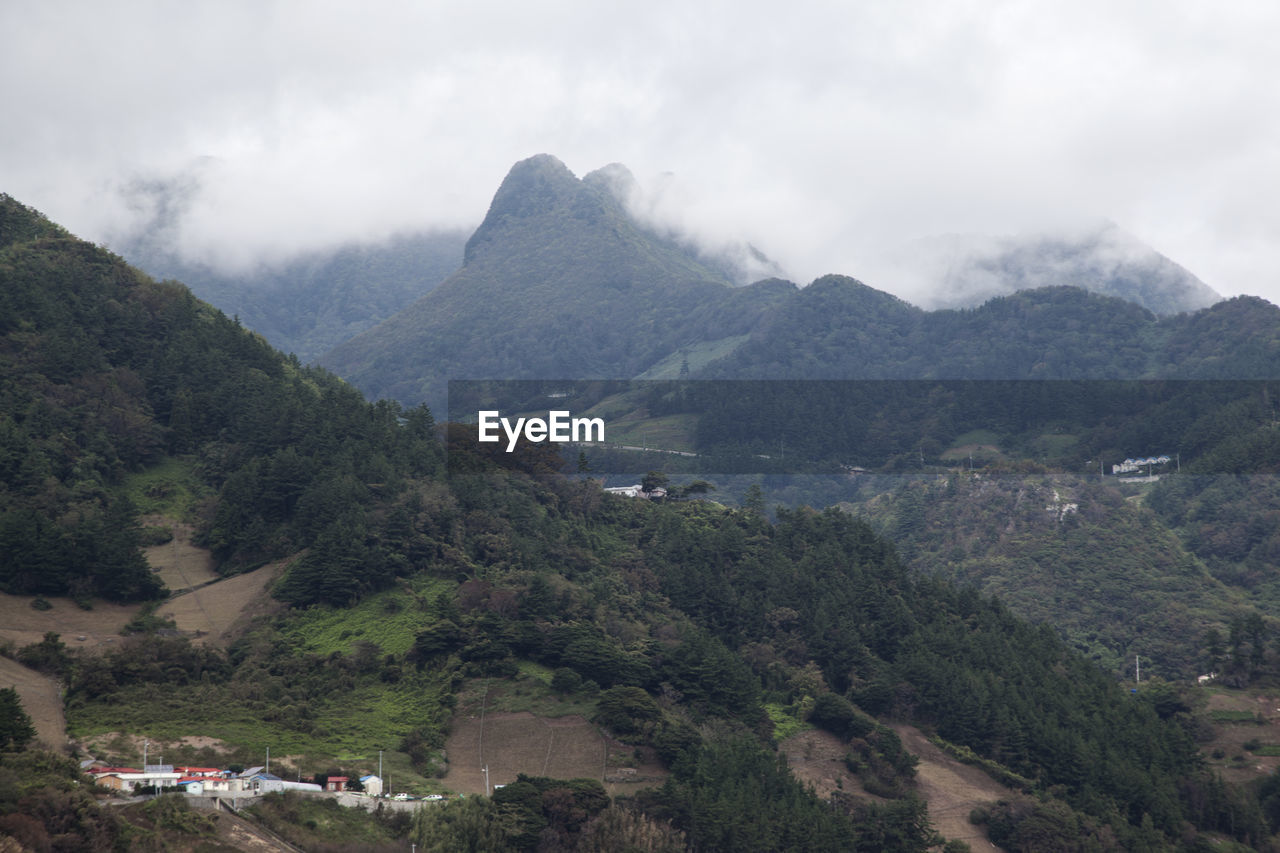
(825, 137)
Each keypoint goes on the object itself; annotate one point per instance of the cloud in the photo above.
(820, 132)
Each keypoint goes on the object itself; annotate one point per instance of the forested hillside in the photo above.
(838, 328)
(687, 628)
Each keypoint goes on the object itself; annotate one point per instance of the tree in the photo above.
(653, 481)
(471, 824)
(16, 730)
(1213, 648)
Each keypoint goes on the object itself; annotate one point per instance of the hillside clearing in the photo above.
(218, 612)
(816, 758)
(96, 629)
(41, 700)
(179, 563)
(510, 743)
(1237, 718)
(952, 789)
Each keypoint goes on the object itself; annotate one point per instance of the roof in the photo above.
(366, 776)
(114, 770)
(338, 779)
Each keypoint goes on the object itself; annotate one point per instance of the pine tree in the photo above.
(16, 730)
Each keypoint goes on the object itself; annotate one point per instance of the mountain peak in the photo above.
(616, 179)
(538, 186)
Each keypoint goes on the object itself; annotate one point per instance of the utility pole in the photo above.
(1137, 669)
(267, 769)
(486, 779)
(380, 782)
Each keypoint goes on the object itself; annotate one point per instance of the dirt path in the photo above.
(952, 789)
(40, 699)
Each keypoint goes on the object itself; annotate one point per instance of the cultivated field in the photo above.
(514, 742)
(40, 699)
(96, 629)
(1239, 718)
(952, 789)
(218, 612)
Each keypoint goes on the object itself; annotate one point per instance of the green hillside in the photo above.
(672, 625)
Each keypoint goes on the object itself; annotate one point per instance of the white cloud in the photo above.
(820, 131)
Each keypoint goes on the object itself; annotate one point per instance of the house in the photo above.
(128, 781)
(192, 785)
(219, 785)
(372, 785)
(637, 491)
(202, 772)
(104, 769)
(336, 783)
(260, 782)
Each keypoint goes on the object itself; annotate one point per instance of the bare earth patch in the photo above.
(510, 743)
(219, 612)
(952, 789)
(129, 747)
(40, 699)
(178, 563)
(96, 629)
(816, 758)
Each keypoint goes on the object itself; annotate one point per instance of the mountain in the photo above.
(963, 271)
(412, 601)
(846, 330)
(309, 304)
(559, 281)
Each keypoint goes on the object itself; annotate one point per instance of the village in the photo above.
(233, 784)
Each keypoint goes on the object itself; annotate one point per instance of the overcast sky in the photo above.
(820, 131)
